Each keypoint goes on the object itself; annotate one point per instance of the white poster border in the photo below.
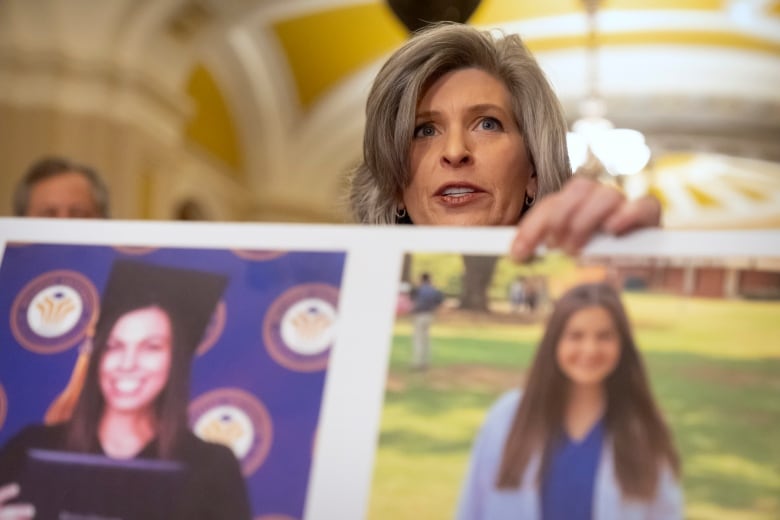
(340, 480)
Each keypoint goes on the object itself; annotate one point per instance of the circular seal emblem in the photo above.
(300, 326)
(236, 419)
(53, 312)
(213, 329)
(3, 406)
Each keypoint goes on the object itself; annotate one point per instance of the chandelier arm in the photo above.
(591, 10)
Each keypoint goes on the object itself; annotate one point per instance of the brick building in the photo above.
(704, 277)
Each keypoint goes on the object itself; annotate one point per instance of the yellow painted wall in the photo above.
(212, 127)
(323, 48)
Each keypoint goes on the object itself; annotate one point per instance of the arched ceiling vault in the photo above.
(289, 78)
(693, 74)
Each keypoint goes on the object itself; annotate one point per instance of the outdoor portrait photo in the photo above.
(163, 382)
(654, 380)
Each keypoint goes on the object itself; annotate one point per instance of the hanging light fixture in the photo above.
(415, 14)
(619, 151)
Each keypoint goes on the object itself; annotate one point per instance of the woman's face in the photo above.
(469, 164)
(589, 348)
(135, 365)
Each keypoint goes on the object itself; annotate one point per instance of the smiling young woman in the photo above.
(135, 367)
(133, 373)
(133, 404)
(585, 440)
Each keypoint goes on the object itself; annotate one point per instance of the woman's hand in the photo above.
(569, 218)
(13, 511)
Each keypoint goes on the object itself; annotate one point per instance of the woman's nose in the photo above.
(128, 359)
(456, 150)
(591, 346)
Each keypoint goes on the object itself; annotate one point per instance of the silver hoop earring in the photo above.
(529, 201)
(400, 212)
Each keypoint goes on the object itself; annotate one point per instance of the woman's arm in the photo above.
(485, 459)
(669, 503)
(230, 500)
(569, 218)
(12, 459)
(471, 503)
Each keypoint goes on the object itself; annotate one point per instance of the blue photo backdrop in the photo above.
(257, 379)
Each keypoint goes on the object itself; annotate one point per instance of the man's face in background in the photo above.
(66, 195)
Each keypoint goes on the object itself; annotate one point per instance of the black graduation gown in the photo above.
(214, 489)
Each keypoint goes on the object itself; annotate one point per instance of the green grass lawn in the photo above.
(715, 370)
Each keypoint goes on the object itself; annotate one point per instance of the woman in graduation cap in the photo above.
(136, 389)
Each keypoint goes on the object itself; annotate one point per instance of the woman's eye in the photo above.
(425, 130)
(154, 346)
(490, 123)
(606, 335)
(113, 345)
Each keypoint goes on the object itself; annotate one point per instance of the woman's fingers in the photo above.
(8, 491)
(546, 222)
(590, 216)
(569, 218)
(635, 214)
(17, 512)
(14, 511)
(566, 209)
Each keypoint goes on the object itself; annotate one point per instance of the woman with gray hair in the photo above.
(463, 128)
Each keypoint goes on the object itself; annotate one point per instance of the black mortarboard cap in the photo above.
(188, 296)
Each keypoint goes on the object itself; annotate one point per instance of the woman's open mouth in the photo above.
(458, 194)
(126, 385)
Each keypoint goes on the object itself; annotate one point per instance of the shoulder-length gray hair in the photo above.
(376, 185)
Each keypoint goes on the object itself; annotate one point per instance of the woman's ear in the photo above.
(401, 215)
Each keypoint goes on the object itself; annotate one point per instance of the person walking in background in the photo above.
(532, 294)
(517, 295)
(585, 439)
(426, 299)
(55, 187)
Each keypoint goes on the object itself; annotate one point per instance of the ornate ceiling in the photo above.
(274, 89)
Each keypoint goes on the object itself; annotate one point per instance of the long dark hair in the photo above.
(170, 407)
(641, 441)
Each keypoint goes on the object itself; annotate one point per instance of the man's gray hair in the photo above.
(51, 167)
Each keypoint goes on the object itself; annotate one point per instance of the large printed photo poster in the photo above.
(706, 329)
(257, 374)
(310, 370)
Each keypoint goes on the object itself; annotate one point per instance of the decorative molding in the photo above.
(57, 81)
